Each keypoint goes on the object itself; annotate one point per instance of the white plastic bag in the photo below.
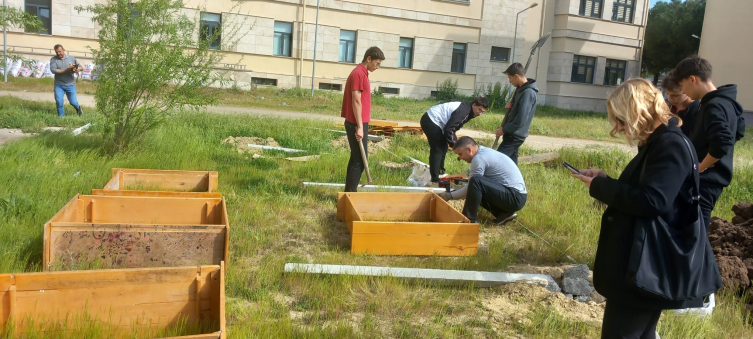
(25, 71)
(15, 69)
(40, 68)
(48, 72)
(420, 176)
(87, 74)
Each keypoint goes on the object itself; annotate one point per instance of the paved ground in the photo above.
(533, 141)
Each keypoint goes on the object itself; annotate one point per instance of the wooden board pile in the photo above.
(165, 244)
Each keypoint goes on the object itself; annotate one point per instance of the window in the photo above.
(283, 37)
(41, 9)
(614, 73)
(405, 55)
(583, 69)
(264, 81)
(500, 54)
(622, 10)
(330, 87)
(433, 94)
(591, 8)
(210, 29)
(458, 58)
(347, 46)
(389, 90)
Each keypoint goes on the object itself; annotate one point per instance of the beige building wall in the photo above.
(729, 54)
(434, 25)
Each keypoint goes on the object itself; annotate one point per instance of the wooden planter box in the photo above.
(161, 183)
(406, 224)
(129, 232)
(121, 302)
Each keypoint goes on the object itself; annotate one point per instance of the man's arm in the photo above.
(720, 135)
(455, 122)
(477, 168)
(357, 114)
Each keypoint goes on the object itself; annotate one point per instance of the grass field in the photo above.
(275, 220)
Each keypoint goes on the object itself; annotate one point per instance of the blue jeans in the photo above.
(69, 91)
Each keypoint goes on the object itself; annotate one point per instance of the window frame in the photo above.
(348, 43)
(44, 29)
(205, 35)
(582, 11)
(608, 69)
(402, 51)
(507, 57)
(331, 87)
(574, 76)
(283, 35)
(623, 3)
(455, 53)
(390, 90)
(264, 81)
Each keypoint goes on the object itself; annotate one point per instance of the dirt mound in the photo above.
(342, 142)
(241, 144)
(732, 243)
(395, 165)
(513, 302)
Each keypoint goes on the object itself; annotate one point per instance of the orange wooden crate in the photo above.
(129, 232)
(122, 301)
(406, 224)
(161, 183)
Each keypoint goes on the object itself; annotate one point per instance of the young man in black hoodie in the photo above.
(514, 128)
(441, 122)
(679, 103)
(717, 126)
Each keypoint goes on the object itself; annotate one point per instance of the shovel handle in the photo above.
(495, 143)
(365, 161)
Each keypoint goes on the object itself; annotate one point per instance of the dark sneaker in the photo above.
(79, 110)
(505, 218)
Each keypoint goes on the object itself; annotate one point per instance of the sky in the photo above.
(653, 2)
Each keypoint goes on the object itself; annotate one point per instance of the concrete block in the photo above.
(576, 286)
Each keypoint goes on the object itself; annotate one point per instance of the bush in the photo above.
(498, 96)
(447, 90)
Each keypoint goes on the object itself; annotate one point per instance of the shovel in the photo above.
(366, 164)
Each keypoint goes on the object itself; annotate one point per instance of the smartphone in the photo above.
(570, 167)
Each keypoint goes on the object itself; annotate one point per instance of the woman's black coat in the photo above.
(665, 190)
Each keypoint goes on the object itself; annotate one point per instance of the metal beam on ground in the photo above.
(376, 188)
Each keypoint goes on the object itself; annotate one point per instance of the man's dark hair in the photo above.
(464, 142)
(694, 65)
(481, 101)
(58, 46)
(516, 68)
(374, 52)
(670, 82)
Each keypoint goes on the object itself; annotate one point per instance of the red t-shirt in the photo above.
(358, 80)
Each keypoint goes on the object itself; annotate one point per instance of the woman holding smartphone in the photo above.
(658, 182)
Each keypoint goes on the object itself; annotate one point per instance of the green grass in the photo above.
(274, 220)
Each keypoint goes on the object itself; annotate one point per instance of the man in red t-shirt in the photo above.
(356, 110)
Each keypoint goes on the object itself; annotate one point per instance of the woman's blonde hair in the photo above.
(637, 105)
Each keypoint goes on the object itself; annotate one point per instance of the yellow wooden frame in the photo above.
(123, 298)
(142, 232)
(168, 183)
(388, 223)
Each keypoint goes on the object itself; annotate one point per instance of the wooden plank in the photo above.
(166, 180)
(114, 183)
(384, 206)
(351, 214)
(383, 123)
(121, 180)
(98, 278)
(415, 244)
(223, 324)
(138, 193)
(418, 228)
(146, 210)
(213, 181)
(444, 212)
(124, 246)
(214, 335)
(226, 221)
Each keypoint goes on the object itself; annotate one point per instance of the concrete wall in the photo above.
(729, 54)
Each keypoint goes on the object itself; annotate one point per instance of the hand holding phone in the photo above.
(570, 167)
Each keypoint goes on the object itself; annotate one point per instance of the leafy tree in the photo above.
(669, 34)
(153, 62)
(15, 18)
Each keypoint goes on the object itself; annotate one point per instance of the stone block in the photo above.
(576, 286)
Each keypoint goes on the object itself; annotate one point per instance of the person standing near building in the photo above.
(495, 183)
(64, 66)
(717, 126)
(441, 122)
(356, 109)
(679, 103)
(514, 128)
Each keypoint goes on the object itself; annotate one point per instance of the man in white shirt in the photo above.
(441, 122)
(495, 184)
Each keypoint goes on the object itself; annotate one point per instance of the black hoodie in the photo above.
(518, 119)
(717, 127)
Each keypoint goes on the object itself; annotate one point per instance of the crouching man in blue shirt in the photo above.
(495, 183)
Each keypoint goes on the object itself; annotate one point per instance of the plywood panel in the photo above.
(137, 193)
(145, 210)
(420, 228)
(391, 206)
(132, 246)
(444, 212)
(166, 180)
(415, 244)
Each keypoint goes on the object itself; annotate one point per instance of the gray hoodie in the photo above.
(518, 118)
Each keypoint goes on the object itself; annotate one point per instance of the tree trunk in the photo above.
(656, 79)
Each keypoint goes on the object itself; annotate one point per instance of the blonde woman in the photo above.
(657, 183)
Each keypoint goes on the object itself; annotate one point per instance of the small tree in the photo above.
(153, 63)
(15, 18)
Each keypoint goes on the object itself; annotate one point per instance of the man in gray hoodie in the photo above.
(514, 128)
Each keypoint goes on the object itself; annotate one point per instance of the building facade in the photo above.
(594, 44)
(724, 43)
